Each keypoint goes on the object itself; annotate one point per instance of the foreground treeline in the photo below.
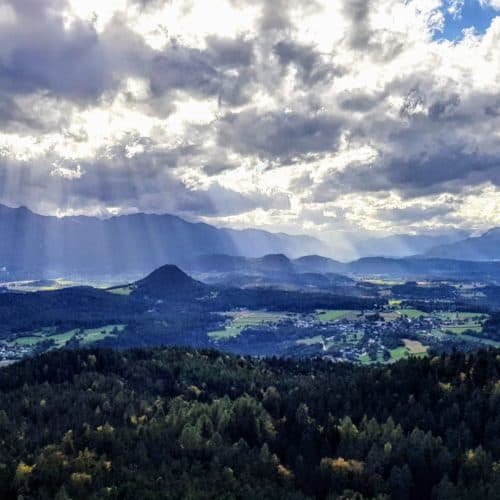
(177, 423)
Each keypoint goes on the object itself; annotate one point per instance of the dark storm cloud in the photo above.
(9, 110)
(380, 44)
(38, 52)
(228, 53)
(148, 4)
(203, 73)
(359, 101)
(215, 167)
(308, 61)
(181, 68)
(13, 118)
(275, 15)
(220, 201)
(442, 109)
(357, 11)
(301, 183)
(446, 171)
(415, 213)
(493, 111)
(153, 156)
(282, 136)
(25, 116)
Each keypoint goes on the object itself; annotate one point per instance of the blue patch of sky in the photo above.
(470, 14)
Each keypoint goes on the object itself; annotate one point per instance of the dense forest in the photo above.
(184, 423)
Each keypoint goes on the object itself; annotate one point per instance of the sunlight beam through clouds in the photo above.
(330, 118)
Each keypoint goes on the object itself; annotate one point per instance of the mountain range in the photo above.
(314, 270)
(269, 270)
(47, 246)
(34, 246)
(484, 247)
(405, 245)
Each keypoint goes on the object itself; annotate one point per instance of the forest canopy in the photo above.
(184, 423)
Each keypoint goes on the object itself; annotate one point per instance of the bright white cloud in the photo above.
(494, 4)
(67, 173)
(191, 22)
(97, 12)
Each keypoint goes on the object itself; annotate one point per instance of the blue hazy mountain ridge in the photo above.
(480, 248)
(50, 246)
(405, 245)
(224, 268)
(275, 269)
(33, 246)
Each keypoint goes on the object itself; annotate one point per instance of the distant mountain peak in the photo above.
(167, 280)
(168, 274)
(313, 259)
(275, 258)
(479, 248)
(20, 210)
(494, 231)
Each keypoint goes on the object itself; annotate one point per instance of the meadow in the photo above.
(325, 316)
(239, 321)
(85, 336)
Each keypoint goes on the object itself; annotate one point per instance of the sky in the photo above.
(330, 118)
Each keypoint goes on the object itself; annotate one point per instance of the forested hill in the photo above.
(175, 423)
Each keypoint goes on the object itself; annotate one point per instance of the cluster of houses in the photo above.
(14, 352)
(370, 337)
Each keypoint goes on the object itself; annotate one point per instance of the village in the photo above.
(378, 336)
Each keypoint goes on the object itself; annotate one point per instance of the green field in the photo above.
(460, 322)
(86, 336)
(123, 290)
(366, 360)
(318, 339)
(411, 348)
(411, 313)
(27, 341)
(328, 315)
(463, 328)
(488, 342)
(239, 321)
(396, 312)
(61, 339)
(53, 284)
(399, 353)
(341, 342)
(380, 281)
(415, 346)
(394, 302)
(457, 333)
(471, 338)
(390, 315)
(91, 335)
(95, 334)
(459, 316)
(40, 286)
